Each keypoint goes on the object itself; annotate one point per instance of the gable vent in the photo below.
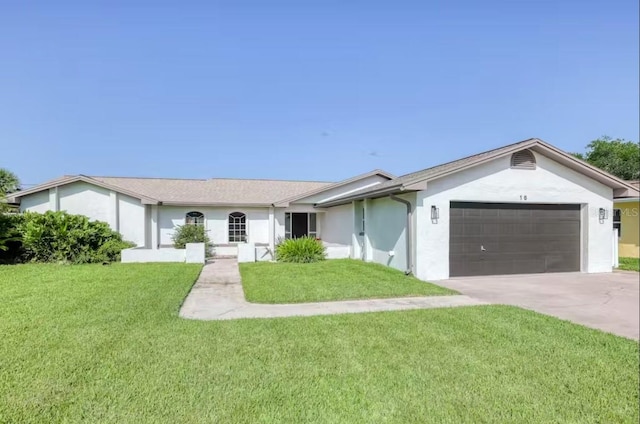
(523, 159)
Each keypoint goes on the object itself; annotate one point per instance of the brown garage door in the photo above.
(507, 238)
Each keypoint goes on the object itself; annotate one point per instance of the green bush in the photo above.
(62, 237)
(10, 238)
(190, 233)
(300, 250)
(110, 251)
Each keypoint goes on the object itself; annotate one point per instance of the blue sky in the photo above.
(314, 90)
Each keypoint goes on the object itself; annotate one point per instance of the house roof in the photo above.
(215, 191)
(68, 179)
(416, 181)
(193, 192)
(285, 202)
(630, 196)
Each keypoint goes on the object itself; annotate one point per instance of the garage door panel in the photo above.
(555, 228)
(455, 248)
(496, 238)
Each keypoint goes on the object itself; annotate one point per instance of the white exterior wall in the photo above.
(495, 181)
(86, 199)
(123, 213)
(36, 202)
(385, 231)
(216, 222)
(131, 219)
(357, 233)
(337, 225)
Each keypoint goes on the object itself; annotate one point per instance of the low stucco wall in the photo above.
(193, 253)
(139, 254)
(338, 251)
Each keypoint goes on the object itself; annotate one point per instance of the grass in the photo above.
(336, 279)
(629, 264)
(94, 343)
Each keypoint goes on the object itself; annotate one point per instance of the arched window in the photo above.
(237, 227)
(523, 159)
(194, 218)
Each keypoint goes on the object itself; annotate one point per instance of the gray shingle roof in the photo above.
(213, 191)
(456, 164)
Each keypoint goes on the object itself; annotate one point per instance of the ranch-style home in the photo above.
(526, 207)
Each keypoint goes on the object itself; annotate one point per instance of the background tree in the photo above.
(9, 183)
(619, 157)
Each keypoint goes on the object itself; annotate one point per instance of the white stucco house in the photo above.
(527, 207)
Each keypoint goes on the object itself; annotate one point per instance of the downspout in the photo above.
(409, 270)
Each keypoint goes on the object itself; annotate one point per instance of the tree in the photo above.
(9, 182)
(619, 157)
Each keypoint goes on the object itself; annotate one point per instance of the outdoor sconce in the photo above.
(435, 213)
(602, 214)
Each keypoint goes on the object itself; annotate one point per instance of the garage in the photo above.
(513, 238)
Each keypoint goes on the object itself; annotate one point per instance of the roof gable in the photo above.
(376, 172)
(77, 178)
(416, 181)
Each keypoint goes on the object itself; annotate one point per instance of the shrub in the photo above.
(10, 238)
(110, 251)
(190, 233)
(62, 237)
(300, 250)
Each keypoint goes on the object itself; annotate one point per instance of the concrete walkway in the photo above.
(218, 295)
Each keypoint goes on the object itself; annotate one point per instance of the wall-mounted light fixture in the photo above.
(602, 214)
(435, 213)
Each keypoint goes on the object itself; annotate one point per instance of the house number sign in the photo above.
(523, 197)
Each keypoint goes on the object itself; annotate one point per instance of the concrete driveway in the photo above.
(609, 302)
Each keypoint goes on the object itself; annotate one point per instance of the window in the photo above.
(617, 220)
(313, 229)
(194, 218)
(523, 159)
(237, 227)
(300, 225)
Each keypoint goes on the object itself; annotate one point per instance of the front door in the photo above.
(299, 225)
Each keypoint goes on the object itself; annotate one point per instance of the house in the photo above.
(626, 219)
(527, 207)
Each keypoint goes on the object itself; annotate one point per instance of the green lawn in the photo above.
(629, 264)
(94, 343)
(336, 279)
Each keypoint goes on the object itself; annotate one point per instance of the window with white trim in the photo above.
(194, 218)
(617, 220)
(237, 227)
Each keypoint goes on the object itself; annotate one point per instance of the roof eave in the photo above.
(214, 204)
(626, 199)
(287, 201)
(376, 194)
(83, 178)
(620, 186)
